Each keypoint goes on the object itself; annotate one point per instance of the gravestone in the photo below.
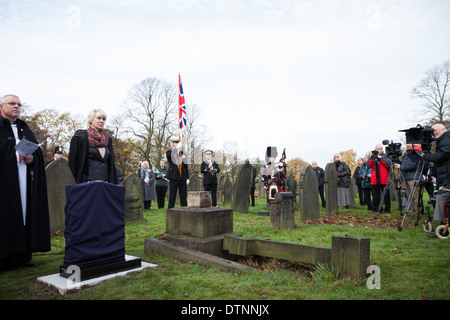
(350, 255)
(58, 176)
(241, 199)
(309, 194)
(220, 182)
(282, 210)
(134, 198)
(291, 185)
(330, 188)
(262, 191)
(353, 192)
(227, 190)
(194, 183)
(199, 199)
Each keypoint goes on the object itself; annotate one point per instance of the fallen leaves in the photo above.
(355, 220)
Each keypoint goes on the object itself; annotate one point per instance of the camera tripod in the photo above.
(420, 184)
(398, 182)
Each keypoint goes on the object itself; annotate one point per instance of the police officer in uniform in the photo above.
(178, 181)
(209, 168)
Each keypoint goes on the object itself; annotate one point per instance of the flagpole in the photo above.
(179, 124)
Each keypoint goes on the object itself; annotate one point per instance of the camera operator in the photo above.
(441, 161)
(380, 165)
(411, 172)
(441, 158)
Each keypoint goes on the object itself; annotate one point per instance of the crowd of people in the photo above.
(417, 171)
(24, 219)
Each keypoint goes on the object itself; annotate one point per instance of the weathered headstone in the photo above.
(350, 255)
(330, 187)
(282, 210)
(58, 177)
(199, 199)
(291, 185)
(134, 198)
(227, 190)
(194, 183)
(353, 192)
(241, 199)
(309, 194)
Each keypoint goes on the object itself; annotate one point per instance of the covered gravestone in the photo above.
(227, 190)
(134, 198)
(58, 177)
(309, 194)
(282, 210)
(241, 199)
(330, 187)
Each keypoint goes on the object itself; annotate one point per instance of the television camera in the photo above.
(420, 135)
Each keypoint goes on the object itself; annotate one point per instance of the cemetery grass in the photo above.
(412, 265)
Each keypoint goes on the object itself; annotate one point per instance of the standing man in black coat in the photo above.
(24, 216)
(320, 175)
(209, 168)
(441, 158)
(178, 179)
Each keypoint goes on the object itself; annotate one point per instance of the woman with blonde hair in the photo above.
(91, 155)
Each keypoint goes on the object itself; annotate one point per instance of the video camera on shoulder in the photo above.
(420, 135)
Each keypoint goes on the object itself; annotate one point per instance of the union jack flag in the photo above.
(181, 105)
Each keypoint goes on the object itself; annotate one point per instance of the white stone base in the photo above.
(64, 284)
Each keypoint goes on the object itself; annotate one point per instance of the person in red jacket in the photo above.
(380, 165)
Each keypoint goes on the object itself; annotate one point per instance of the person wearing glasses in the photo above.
(91, 155)
(24, 217)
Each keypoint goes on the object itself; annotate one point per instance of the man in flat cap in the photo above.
(209, 168)
(178, 174)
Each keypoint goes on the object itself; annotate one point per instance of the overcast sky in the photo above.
(314, 77)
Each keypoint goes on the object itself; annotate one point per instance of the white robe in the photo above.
(22, 170)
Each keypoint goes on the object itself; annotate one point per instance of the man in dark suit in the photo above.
(178, 174)
(320, 175)
(209, 168)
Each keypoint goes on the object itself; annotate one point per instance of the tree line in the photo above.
(150, 118)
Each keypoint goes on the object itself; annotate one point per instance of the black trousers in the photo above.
(176, 185)
(213, 189)
(377, 190)
(322, 196)
(161, 195)
(252, 196)
(367, 195)
(360, 195)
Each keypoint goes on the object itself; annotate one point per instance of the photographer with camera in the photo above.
(380, 165)
(412, 173)
(441, 161)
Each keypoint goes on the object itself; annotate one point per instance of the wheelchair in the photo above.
(442, 231)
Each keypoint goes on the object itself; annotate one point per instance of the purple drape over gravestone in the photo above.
(95, 223)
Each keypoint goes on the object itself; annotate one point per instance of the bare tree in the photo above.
(433, 90)
(151, 107)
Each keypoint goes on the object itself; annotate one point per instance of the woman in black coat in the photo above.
(91, 155)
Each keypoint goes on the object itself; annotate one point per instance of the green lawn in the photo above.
(412, 265)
